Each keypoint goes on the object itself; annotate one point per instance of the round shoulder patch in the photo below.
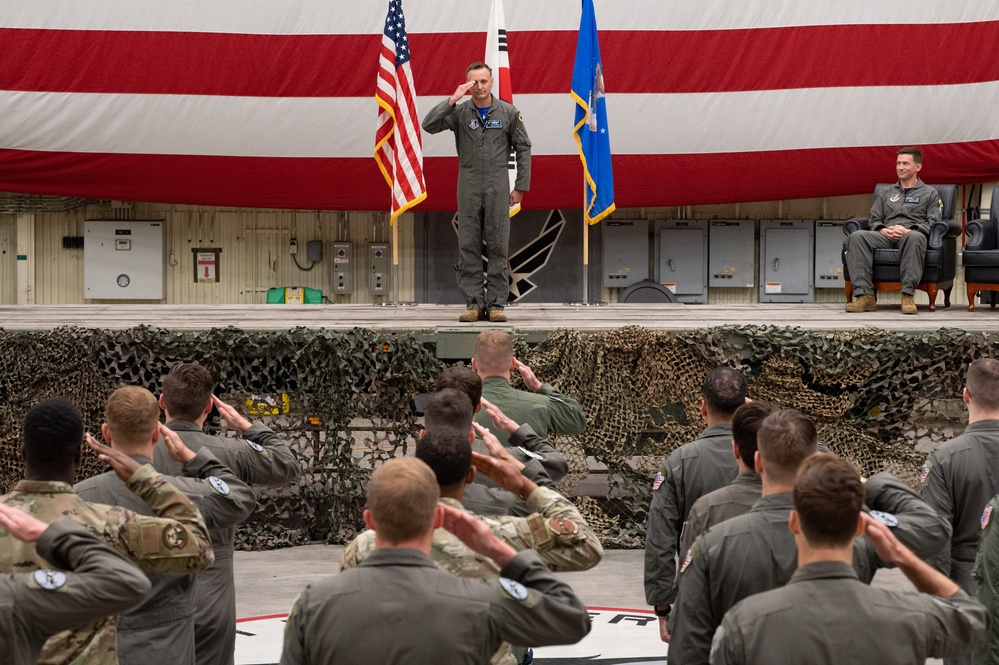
(887, 519)
(561, 526)
(514, 589)
(219, 485)
(49, 579)
(256, 446)
(174, 537)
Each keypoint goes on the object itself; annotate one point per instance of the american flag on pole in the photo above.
(398, 146)
(498, 57)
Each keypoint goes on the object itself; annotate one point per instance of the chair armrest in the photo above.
(856, 224)
(981, 235)
(943, 229)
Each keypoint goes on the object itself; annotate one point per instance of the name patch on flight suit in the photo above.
(912, 199)
(492, 124)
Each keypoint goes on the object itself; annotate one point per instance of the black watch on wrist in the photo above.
(662, 613)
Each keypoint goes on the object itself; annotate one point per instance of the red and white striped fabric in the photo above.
(259, 103)
(398, 147)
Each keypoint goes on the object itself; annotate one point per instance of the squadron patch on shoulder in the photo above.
(986, 516)
(219, 485)
(887, 519)
(514, 589)
(50, 580)
(561, 526)
(256, 446)
(174, 537)
(554, 398)
(658, 480)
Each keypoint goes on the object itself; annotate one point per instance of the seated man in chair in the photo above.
(900, 218)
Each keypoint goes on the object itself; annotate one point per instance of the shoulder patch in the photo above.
(986, 516)
(561, 526)
(556, 399)
(219, 485)
(256, 446)
(658, 480)
(514, 589)
(530, 453)
(50, 580)
(174, 537)
(887, 519)
(925, 471)
(686, 561)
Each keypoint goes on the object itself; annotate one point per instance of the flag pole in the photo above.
(586, 250)
(395, 262)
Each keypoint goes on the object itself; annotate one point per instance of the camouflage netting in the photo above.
(882, 399)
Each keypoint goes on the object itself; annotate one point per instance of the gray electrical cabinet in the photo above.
(829, 239)
(124, 260)
(732, 257)
(626, 252)
(787, 260)
(681, 264)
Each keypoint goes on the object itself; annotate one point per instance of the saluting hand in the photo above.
(233, 419)
(500, 419)
(20, 524)
(504, 474)
(122, 464)
(179, 452)
(460, 92)
(476, 535)
(496, 449)
(531, 381)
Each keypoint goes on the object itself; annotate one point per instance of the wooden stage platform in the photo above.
(533, 320)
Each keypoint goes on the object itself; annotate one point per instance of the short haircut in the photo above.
(448, 454)
(493, 351)
(982, 382)
(917, 156)
(402, 498)
(828, 496)
(53, 434)
(187, 389)
(724, 391)
(478, 65)
(462, 379)
(785, 439)
(449, 408)
(132, 414)
(745, 424)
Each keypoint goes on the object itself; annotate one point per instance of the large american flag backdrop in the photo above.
(270, 104)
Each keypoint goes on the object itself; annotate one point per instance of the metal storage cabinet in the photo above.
(626, 252)
(829, 239)
(732, 255)
(682, 258)
(787, 261)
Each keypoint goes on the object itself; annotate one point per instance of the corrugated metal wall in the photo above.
(255, 254)
(8, 258)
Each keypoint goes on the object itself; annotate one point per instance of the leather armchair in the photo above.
(940, 264)
(981, 254)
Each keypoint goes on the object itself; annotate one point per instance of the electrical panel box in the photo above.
(682, 258)
(732, 259)
(314, 250)
(378, 275)
(829, 239)
(787, 263)
(626, 252)
(342, 254)
(124, 260)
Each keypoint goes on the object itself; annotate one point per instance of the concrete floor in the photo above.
(268, 582)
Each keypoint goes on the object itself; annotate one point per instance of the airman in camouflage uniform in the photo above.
(35, 605)
(176, 540)
(555, 530)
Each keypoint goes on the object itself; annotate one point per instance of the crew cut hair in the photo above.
(449, 408)
(402, 498)
(448, 454)
(982, 382)
(745, 425)
(187, 390)
(828, 496)
(52, 434)
(724, 391)
(785, 439)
